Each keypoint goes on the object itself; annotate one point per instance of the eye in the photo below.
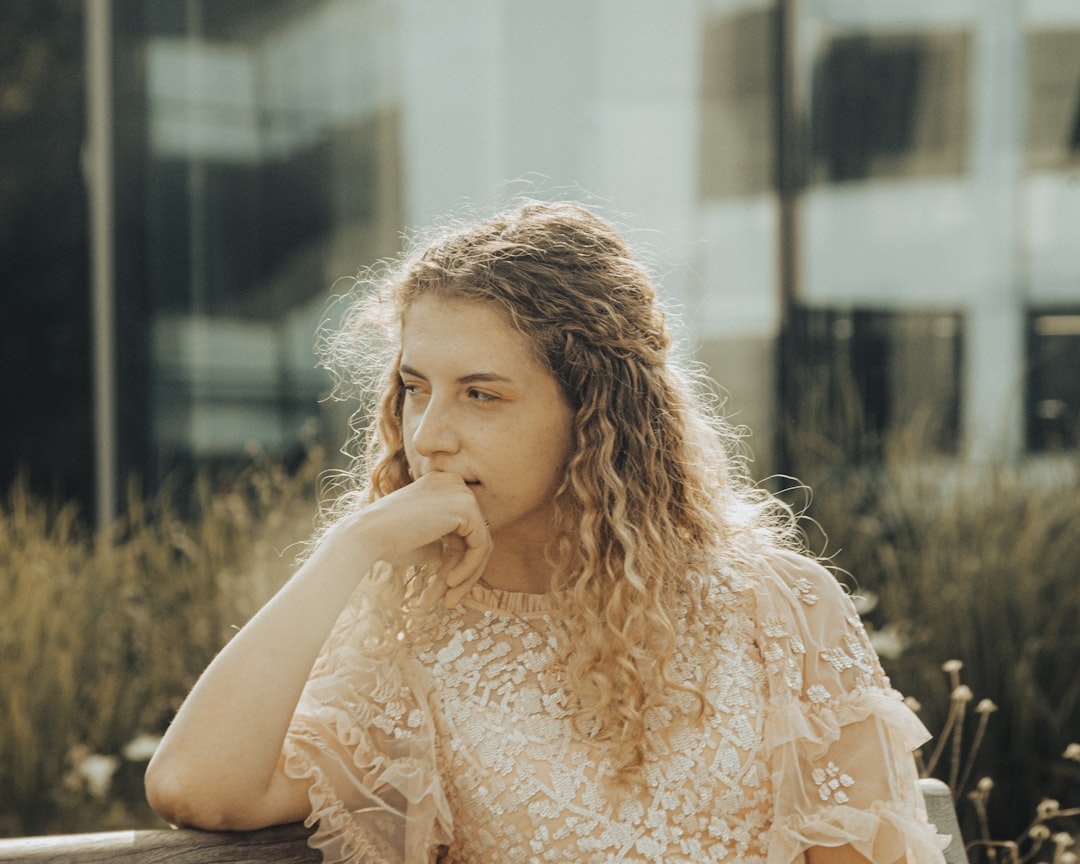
(481, 396)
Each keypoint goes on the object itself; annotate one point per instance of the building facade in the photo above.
(852, 205)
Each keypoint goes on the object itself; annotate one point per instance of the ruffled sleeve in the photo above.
(838, 738)
(363, 734)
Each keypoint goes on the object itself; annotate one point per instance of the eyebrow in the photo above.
(472, 378)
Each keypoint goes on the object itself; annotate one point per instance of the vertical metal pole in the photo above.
(786, 154)
(98, 168)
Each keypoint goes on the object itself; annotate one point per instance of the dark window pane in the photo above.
(1053, 391)
(738, 82)
(861, 375)
(889, 106)
(1053, 99)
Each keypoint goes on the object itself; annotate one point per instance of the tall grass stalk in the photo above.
(102, 635)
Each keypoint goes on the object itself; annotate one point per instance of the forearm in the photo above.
(219, 762)
(834, 855)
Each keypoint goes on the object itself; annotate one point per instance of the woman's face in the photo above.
(478, 404)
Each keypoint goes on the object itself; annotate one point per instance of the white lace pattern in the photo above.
(462, 749)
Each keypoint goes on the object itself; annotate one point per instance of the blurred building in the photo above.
(858, 205)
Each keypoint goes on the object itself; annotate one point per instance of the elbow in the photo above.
(181, 802)
(166, 798)
(190, 798)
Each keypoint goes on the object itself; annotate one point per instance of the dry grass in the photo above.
(975, 562)
(101, 636)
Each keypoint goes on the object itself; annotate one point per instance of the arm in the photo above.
(835, 855)
(220, 764)
(842, 760)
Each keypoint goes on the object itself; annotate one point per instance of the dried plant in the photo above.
(1039, 838)
(972, 560)
(102, 635)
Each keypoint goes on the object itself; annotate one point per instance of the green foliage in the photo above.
(102, 636)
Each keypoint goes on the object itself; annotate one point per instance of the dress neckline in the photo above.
(521, 603)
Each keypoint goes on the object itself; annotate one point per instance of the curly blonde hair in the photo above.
(654, 493)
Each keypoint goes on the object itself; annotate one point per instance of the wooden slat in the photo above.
(285, 844)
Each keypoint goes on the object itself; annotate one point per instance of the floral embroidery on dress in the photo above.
(513, 752)
(472, 728)
(829, 781)
(804, 590)
(853, 654)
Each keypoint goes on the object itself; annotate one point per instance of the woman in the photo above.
(549, 620)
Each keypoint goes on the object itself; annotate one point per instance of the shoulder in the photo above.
(778, 581)
(809, 630)
(789, 580)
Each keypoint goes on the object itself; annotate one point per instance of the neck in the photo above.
(518, 567)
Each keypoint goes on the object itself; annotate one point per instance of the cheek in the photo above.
(407, 426)
(552, 455)
(407, 447)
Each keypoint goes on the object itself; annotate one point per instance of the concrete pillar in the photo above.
(994, 343)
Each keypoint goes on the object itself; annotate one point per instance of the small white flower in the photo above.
(889, 642)
(141, 748)
(96, 772)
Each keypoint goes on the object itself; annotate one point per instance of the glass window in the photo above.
(859, 374)
(1053, 380)
(889, 105)
(738, 82)
(1053, 99)
(271, 145)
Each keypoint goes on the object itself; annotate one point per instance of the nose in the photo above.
(435, 430)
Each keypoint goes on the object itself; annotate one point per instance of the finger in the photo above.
(453, 554)
(450, 552)
(470, 549)
(470, 569)
(454, 596)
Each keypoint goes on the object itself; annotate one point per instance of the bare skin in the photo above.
(839, 855)
(220, 764)
(486, 433)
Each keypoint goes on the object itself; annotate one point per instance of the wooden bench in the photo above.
(287, 844)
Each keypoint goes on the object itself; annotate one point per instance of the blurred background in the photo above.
(867, 213)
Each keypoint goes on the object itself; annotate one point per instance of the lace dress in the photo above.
(461, 749)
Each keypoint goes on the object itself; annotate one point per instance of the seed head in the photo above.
(1048, 808)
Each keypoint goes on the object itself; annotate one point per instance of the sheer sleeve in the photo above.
(838, 738)
(363, 734)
